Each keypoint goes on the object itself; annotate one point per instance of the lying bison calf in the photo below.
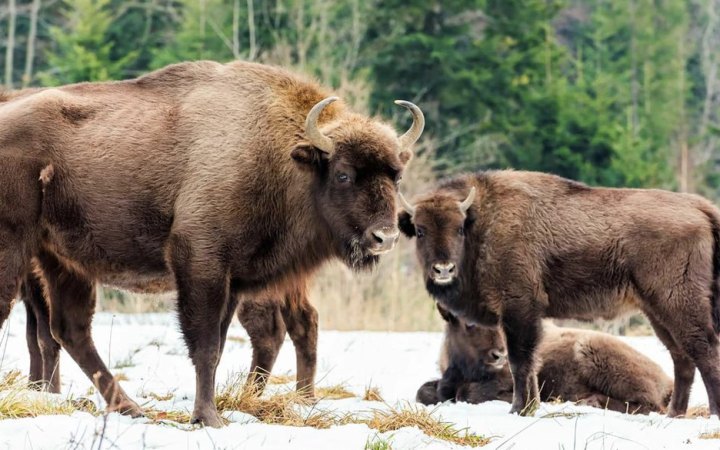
(512, 247)
(575, 365)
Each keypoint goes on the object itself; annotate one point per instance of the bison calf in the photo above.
(512, 247)
(574, 365)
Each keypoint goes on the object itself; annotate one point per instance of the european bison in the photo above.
(513, 247)
(574, 365)
(213, 180)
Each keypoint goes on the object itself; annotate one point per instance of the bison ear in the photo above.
(308, 155)
(405, 224)
(405, 156)
(446, 315)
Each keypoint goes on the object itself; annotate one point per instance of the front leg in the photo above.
(205, 308)
(449, 383)
(523, 335)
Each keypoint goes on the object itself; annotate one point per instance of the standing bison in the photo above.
(512, 247)
(213, 180)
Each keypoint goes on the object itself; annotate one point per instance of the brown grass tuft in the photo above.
(372, 394)
(281, 379)
(336, 392)
(697, 411)
(156, 416)
(416, 416)
(287, 408)
(710, 435)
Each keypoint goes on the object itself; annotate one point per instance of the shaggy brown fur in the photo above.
(575, 365)
(44, 350)
(199, 177)
(266, 318)
(534, 245)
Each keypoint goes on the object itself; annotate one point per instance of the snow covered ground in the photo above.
(149, 351)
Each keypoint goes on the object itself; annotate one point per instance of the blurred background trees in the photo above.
(609, 92)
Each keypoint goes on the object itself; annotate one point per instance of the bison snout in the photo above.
(384, 240)
(443, 273)
(497, 358)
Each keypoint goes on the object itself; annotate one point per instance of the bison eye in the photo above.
(419, 232)
(461, 231)
(343, 177)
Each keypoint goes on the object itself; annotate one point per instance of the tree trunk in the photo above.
(32, 35)
(12, 16)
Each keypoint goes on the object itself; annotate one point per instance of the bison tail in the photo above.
(714, 218)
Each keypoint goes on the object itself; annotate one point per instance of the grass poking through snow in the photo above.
(335, 392)
(416, 416)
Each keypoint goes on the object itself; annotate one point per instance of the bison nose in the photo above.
(444, 269)
(385, 239)
(497, 357)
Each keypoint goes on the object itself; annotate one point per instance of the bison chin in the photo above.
(358, 257)
(446, 294)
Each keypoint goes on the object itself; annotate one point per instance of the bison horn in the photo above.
(413, 134)
(465, 205)
(406, 204)
(312, 133)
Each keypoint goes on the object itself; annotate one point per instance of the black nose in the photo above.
(444, 270)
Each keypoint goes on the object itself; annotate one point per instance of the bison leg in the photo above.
(683, 367)
(264, 324)
(701, 344)
(522, 339)
(427, 394)
(301, 320)
(49, 348)
(205, 308)
(32, 343)
(72, 304)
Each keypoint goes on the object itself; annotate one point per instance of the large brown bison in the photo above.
(574, 365)
(213, 180)
(512, 247)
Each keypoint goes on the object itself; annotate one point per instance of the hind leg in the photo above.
(48, 347)
(264, 324)
(72, 304)
(683, 368)
(301, 320)
(35, 376)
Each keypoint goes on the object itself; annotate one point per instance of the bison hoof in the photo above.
(526, 410)
(128, 408)
(208, 418)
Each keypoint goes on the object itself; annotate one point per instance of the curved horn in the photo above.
(312, 133)
(465, 205)
(406, 204)
(413, 134)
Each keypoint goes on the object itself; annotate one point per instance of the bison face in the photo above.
(485, 346)
(357, 164)
(438, 224)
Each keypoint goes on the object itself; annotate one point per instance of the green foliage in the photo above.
(603, 91)
(82, 51)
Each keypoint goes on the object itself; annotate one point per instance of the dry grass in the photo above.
(281, 379)
(155, 415)
(335, 392)
(16, 401)
(694, 412)
(415, 416)
(287, 408)
(710, 435)
(372, 394)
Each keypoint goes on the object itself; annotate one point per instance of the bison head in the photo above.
(357, 163)
(438, 223)
(469, 342)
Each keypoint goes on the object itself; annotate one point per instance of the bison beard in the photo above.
(175, 181)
